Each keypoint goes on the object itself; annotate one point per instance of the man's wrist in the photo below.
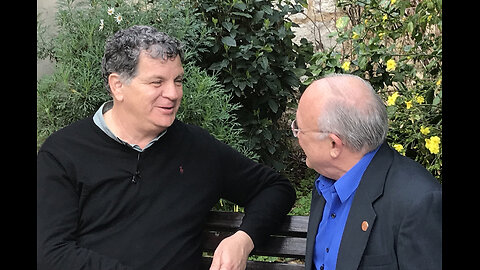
(246, 239)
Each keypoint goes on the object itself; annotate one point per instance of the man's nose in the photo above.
(172, 91)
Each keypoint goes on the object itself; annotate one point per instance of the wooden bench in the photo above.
(288, 242)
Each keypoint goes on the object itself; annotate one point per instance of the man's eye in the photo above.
(156, 83)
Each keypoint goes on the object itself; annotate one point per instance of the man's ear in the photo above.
(116, 86)
(336, 145)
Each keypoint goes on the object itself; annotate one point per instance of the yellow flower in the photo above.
(439, 82)
(398, 147)
(346, 65)
(384, 18)
(391, 99)
(419, 99)
(392, 2)
(380, 35)
(424, 130)
(355, 35)
(433, 144)
(409, 104)
(391, 65)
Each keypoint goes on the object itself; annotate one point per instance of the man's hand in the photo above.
(232, 252)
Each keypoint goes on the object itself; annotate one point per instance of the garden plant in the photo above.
(397, 46)
(255, 59)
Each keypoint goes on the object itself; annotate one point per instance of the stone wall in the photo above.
(47, 10)
(317, 22)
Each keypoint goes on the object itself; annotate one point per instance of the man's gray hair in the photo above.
(122, 50)
(361, 128)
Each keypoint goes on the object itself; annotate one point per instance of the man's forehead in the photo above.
(314, 92)
(312, 100)
(150, 64)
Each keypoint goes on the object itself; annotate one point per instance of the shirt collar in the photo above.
(346, 185)
(100, 122)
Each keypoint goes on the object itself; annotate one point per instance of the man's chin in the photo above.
(165, 122)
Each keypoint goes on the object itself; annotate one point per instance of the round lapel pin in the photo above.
(364, 226)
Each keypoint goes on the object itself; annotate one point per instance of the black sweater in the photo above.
(103, 205)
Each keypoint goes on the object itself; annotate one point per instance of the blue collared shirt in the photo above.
(339, 197)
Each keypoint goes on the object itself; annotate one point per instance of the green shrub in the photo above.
(75, 89)
(397, 46)
(206, 104)
(254, 57)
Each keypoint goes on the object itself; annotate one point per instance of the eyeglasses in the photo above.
(296, 130)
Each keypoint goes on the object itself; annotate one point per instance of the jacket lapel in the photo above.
(361, 217)
(316, 213)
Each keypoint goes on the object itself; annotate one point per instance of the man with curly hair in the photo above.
(131, 187)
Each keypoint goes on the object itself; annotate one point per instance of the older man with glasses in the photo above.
(371, 206)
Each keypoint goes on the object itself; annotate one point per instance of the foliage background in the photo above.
(397, 46)
(244, 73)
(256, 60)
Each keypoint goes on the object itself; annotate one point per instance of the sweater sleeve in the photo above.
(57, 219)
(266, 195)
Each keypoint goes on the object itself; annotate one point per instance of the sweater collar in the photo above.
(100, 122)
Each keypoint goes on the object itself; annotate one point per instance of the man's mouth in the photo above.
(166, 109)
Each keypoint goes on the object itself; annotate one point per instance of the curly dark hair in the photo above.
(122, 50)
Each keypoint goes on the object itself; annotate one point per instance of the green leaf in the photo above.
(227, 25)
(342, 22)
(437, 99)
(267, 134)
(362, 62)
(264, 62)
(299, 72)
(258, 16)
(273, 105)
(271, 149)
(267, 48)
(241, 6)
(246, 15)
(229, 41)
(410, 27)
(266, 23)
(219, 65)
(304, 4)
(242, 84)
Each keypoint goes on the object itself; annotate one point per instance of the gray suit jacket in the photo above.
(402, 204)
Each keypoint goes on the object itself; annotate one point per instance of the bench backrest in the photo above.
(289, 241)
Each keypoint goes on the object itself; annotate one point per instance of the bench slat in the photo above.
(230, 221)
(279, 246)
(288, 241)
(255, 265)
